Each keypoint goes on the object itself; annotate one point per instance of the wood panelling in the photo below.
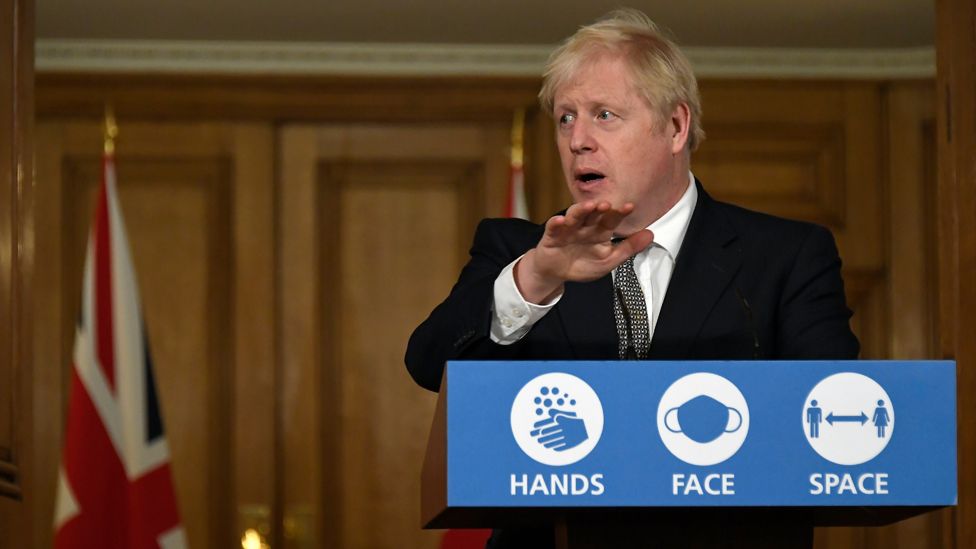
(377, 228)
(794, 170)
(911, 231)
(335, 98)
(178, 188)
(9, 481)
(807, 151)
(956, 138)
(545, 187)
(18, 493)
(912, 289)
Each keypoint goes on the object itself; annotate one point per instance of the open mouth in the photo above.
(589, 177)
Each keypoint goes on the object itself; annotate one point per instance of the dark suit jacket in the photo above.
(745, 285)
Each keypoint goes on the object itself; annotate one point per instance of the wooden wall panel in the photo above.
(908, 282)
(807, 151)
(255, 404)
(795, 170)
(18, 493)
(390, 221)
(911, 228)
(956, 206)
(176, 187)
(9, 466)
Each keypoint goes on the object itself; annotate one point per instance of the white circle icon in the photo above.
(703, 419)
(557, 419)
(848, 418)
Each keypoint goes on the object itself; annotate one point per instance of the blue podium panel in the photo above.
(686, 434)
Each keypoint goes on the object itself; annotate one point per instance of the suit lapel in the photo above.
(703, 270)
(586, 314)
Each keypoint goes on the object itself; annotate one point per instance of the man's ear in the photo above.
(679, 127)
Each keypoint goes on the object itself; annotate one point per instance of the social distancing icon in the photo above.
(848, 418)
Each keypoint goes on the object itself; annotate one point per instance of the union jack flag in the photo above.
(115, 488)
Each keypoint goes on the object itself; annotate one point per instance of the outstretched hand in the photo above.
(576, 247)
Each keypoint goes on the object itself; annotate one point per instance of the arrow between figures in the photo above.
(831, 419)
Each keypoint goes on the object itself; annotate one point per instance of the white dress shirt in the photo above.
(513, 316)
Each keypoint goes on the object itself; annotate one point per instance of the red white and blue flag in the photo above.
(115, 489)
(516, 205)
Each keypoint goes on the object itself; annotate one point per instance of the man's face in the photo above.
(613, 146)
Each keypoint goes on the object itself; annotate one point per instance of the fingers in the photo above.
(551, 439)
(550, 433)
(631, 245)
(544, 423)
(545, 429)
(588, 219)
(598, 213)
(557, 413)
(578, 214)
(611, 219)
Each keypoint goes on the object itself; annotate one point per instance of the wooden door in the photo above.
(375, 225)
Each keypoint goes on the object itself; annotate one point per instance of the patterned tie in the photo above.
(630, 310)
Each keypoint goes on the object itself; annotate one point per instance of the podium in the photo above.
(600, 450)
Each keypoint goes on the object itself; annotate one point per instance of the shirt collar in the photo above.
(669, 229)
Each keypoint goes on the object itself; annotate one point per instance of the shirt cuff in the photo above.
(512, 316)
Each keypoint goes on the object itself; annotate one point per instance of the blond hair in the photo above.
(661, 72)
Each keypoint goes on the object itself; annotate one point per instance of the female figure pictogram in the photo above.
(880, 418)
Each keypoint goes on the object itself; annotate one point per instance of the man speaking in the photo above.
(644, 264)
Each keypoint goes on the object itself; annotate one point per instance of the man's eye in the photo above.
(566, 119)
(606, 115)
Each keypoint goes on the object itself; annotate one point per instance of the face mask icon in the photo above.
(703, 419)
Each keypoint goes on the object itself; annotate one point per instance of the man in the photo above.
(644, 264)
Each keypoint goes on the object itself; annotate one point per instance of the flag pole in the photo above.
(111, 130)
(515, 205)
(518, 132)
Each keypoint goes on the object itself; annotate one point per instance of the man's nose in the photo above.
(581, 139)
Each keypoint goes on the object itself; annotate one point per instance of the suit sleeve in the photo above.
(813, 313)
(459, 327)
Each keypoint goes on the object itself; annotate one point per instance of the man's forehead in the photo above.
(596, 79)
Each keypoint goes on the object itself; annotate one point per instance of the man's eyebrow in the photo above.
(564, 106)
